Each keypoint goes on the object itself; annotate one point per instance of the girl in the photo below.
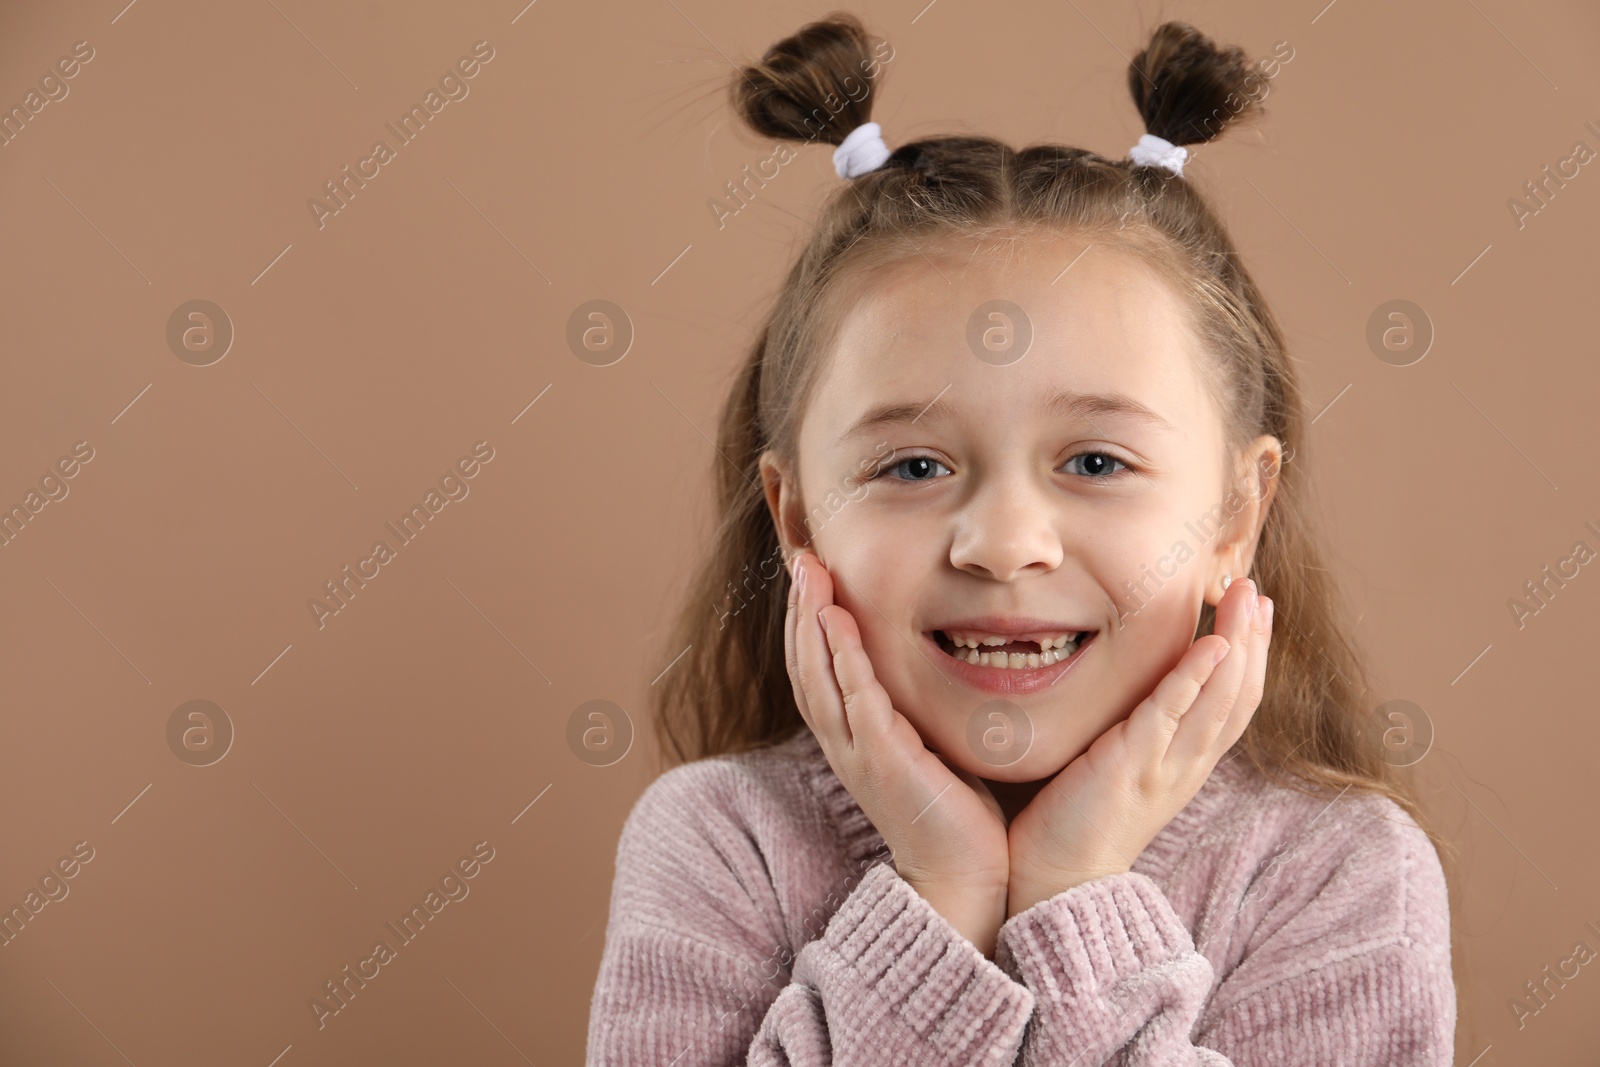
(1027, 786)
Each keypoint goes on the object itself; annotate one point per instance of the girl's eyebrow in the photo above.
(1063, 404)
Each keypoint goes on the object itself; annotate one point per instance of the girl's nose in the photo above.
(1004, 533)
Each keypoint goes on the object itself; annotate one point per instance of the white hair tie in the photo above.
(861, 151)
(864, 150)
(1153, 151)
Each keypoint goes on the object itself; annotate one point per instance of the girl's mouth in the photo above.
(1014, 668)
(1013, 655)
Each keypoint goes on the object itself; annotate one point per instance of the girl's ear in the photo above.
(782, 490)
(1235, 552)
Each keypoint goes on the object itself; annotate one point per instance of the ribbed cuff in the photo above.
(1086, 940)
(909, 960)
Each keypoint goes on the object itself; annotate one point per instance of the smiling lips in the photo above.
(1010, 653)
(1008, 669)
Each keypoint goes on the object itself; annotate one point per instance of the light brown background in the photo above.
(370, 754)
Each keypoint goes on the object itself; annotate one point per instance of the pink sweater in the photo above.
(757, 918)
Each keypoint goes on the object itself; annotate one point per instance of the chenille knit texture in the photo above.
(757, 918)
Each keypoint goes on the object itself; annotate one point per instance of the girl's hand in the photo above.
(944, 829)
(1099, 813)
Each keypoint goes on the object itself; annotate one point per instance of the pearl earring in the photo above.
(1226, 579)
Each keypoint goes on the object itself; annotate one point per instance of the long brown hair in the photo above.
(730, 691)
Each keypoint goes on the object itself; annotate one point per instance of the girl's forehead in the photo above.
(1078, 286)
(1099, 320)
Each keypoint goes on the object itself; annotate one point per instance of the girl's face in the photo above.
(1078, 487)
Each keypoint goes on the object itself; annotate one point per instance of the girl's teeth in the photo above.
(1017, 660)
(965, 641)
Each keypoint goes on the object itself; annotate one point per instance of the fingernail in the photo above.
(802, 585)
(1255, 600)
(1266, 619)
(822, 620)
(794, 566)
(1222, 654)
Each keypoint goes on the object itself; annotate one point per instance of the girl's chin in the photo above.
(1038, 763)
(1021, 774)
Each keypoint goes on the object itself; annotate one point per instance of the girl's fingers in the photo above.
(864, 704)
(1230, 698)
(813, 658)
(1150, 729)
(791, 648)
(1255, 681)
(1196, 683)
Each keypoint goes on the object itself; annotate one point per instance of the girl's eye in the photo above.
(1098, 470)
(921, 465)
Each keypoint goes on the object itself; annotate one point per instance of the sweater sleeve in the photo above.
(1349, 964)
(695, 966)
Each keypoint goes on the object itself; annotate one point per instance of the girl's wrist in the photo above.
(976, 912)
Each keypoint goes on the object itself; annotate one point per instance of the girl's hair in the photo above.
(731, 691)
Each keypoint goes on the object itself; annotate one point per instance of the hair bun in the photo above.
(1187, 88)
(815, 85)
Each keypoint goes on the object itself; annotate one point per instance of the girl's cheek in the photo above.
(866, 563)
(1154, 644)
